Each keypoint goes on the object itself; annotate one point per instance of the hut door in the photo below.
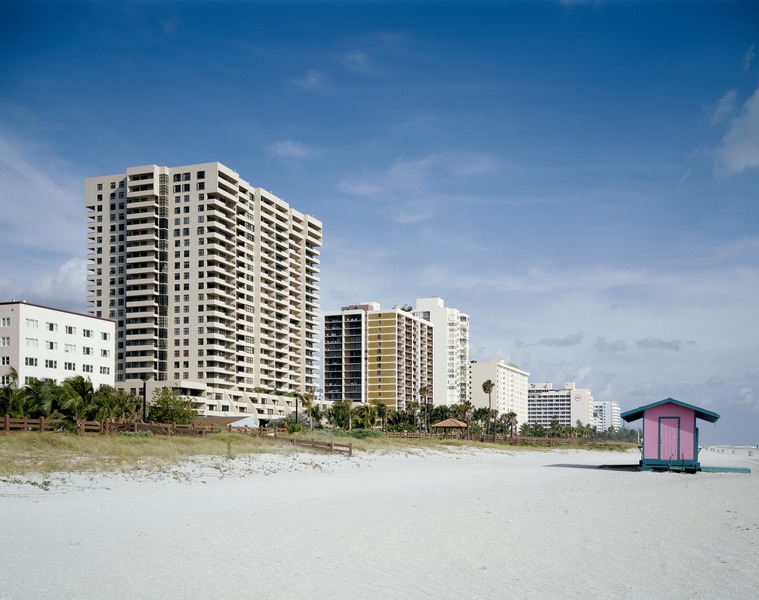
(669, 438)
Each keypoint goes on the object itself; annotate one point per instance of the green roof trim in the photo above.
(701, 413)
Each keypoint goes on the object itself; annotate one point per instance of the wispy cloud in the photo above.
(739, 149)
(748, 57)
(355, 60)
(722, 109)
(290, 149)
(616, 346)
(659, 344)
(312, 81)
(571, 340)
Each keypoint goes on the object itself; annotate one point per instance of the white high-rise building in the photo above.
(48, 343)
(451, 350)
(510, 392)
(606, 414)
(213, 284)
(568, 404)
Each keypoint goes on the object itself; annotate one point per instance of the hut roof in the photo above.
(701, 413)
(451, 424)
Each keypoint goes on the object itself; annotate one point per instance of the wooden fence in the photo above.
(11, 425)
(281, 434)
(517, 440)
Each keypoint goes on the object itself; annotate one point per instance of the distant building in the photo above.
(606, 415)
(376, 355)
(568, 404)
(213, 284)
(48, 343)
(450, 348)
(510, 392)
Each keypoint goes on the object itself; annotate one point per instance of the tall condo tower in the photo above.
(213, 285)
(451, 369)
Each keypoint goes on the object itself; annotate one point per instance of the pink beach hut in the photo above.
(670, 435)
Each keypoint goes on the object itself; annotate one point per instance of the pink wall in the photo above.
(651, 429)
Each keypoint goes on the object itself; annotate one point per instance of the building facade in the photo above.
(568, 404)
(606, 415)
(510, 392)
(47, 343)
(451, 350)
(375, 355)
(213, 285)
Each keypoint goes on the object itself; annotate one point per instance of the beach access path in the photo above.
(456, 524)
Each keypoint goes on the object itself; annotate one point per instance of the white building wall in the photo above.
(606, 414)
(511, 383)
(48, 343)
(451, 350)
(569, 404)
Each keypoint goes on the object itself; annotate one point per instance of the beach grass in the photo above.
(24, 453)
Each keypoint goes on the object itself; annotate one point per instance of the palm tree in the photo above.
(441, 412)
(315, 414)
(488, 387)
(9, 392)
(381, 409)
(307, 398)
(411, 409)
(366, 416)
(510, 420)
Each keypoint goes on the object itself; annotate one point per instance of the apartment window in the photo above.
(186, 187)
(105, 370)
(201, 185)
(30, 362)
(6, 322)
(105, 353)
(70, 330)
(105, 336)
(69, 366)
(87, 368)
(51, 364)
(113, 185)
(177, 177)
(200, 175)
(51, 345)
(69, 348)
(31, 342)
(201, 230)
(177, 189)
(100, 187)
(51, 326)
(185, 177)
(5, 360)
(87, 351)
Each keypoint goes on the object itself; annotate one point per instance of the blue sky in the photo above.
(581, 178)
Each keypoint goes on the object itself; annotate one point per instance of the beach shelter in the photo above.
(670, 435)
(449, 425)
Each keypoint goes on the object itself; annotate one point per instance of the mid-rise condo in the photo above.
(510, 391)
(47, 343)
(568, 404)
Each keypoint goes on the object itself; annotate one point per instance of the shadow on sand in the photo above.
(630, 468)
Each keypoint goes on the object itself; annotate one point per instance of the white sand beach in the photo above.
(459, 524)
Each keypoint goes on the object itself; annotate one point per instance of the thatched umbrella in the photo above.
(451, 424)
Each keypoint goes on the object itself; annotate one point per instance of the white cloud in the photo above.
(64, 288)
(739, 149)
(312, 81)
(356, 60)
(748, 57)
(723, 107)
(290, 149)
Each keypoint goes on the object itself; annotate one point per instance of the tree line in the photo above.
(75, 399)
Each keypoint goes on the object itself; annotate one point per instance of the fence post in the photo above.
(350, 449)
(7, 422)
(42, 424)
(332, 447)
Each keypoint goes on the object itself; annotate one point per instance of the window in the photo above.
(31, 342)
(70, 330)
(51, 326)
(51, 364)
(201, 175)
(69, 366)
(6, 322)
(87, 351)
(100, 187)
(105, 336)
(105, 353)
(51, 345)
(5, 360)
(69, 348)
(105, 370)
(30, 362)
(87, 368)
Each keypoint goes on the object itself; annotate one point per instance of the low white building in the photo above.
(48, 343)
(606, 415)
(510, 392)
(568, 404)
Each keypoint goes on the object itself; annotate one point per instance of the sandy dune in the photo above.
(465, 524)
